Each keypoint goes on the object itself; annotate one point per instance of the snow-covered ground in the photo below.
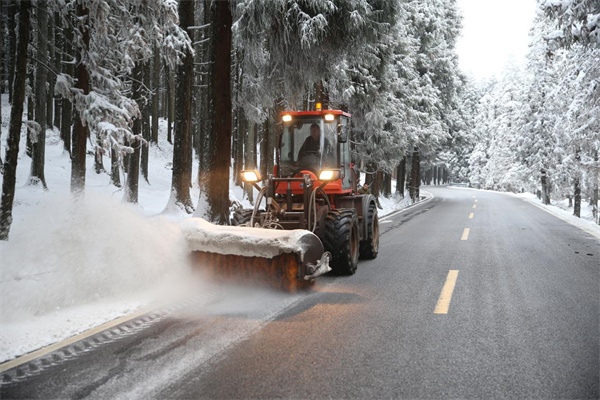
(69, 267)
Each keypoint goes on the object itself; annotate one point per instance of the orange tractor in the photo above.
(314, 188)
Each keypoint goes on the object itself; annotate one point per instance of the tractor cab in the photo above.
(313, 188)
(316, 143)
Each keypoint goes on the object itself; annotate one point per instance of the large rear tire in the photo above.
(369, 248)
(342, 241)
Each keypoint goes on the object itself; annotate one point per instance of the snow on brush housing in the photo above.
(250, 242)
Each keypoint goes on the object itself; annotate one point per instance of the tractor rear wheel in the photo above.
(241, 217)
(370, 246)
(342, 241)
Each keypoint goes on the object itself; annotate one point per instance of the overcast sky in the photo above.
(493, 31)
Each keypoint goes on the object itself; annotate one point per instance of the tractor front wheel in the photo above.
(342, 241)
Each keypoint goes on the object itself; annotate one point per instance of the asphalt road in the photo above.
(518, 317)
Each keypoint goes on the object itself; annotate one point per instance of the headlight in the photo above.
(329, 175)
(329, 117)
(250, 176)
(286, 118)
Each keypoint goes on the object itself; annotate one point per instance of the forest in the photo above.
(104, 72)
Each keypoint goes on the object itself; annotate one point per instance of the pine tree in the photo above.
(182, 147)
(80, 129)
(39, 138)
(14, 132)
(217, 188)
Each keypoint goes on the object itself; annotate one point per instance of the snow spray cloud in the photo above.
(68, 253)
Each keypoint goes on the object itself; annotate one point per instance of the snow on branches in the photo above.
(121, 34)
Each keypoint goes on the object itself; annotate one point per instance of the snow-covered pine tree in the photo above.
(106, 54)
(579, 37)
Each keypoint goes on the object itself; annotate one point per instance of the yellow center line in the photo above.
(475, 200)
(446, 296)
(471, 215)
(465, 234)
(474, 205)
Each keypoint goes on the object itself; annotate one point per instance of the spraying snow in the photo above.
(84, 252)
(67, 254)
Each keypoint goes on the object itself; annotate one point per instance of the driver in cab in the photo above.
(311, 146)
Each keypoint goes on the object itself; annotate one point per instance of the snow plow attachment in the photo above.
(286, 260)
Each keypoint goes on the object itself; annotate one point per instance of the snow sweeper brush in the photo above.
(286, 260)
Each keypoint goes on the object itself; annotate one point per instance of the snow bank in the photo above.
(68, 253)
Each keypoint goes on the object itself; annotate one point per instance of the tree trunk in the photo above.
(577, 199)
(239, 149)
(115, 172)
(133, 175)
(145, 108)
(206, 103)
(14, 132)
(39, 141)
(217, 193)
(171, 106)
(250, 158)
(182, 148)
(594, 198)
(51, 77)
(66, 117)
(400, 177)
(545, 187)
(2, 77)
(239, 122)
(3, 48)
(415, 172)
(377, 183)
(80, 129)
(155, 93)
(321, 95)
(98, 161)
(387, 185)
(264, 149)
(577, 189)
(12, 46)
(58, 44)
(164, 96)
(30, 111)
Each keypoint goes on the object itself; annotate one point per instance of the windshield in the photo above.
(308, 144)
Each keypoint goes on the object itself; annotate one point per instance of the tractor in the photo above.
(314, 187)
